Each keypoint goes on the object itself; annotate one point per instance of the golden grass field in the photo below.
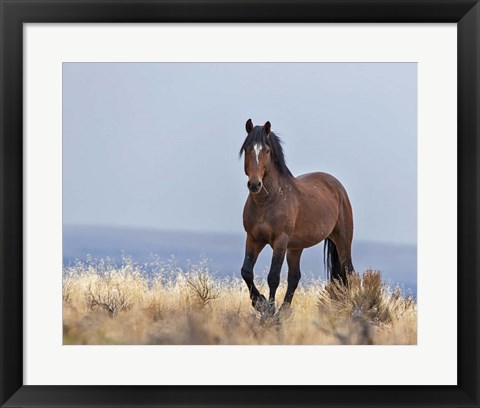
(104, 304)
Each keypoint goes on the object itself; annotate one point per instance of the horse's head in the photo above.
(257, 152)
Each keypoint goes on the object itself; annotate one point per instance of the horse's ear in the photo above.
(249, 125)
(266, 127)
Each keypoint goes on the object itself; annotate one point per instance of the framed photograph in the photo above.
(269, 203)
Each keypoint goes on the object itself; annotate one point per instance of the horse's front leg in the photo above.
(252, 250)
(279, 249)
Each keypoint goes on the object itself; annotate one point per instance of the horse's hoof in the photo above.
(285, 311)
(270, 309)
(267, 313)
(260, 304)
(268, 316)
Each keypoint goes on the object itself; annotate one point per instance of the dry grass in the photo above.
(103, 304)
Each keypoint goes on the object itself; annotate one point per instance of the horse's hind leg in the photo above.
(343, 242)
(293, 261)
(342, 236)
(252, 250)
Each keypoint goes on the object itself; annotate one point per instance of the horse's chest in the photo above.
(265, 226)
(262, 232)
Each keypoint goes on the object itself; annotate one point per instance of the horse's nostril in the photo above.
(254, 186)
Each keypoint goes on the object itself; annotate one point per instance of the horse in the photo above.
(290, 214)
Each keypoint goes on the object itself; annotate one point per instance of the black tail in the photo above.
(331, 260)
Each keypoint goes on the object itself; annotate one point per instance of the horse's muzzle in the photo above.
(254, 186)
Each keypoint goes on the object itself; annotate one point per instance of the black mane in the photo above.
(257, 135)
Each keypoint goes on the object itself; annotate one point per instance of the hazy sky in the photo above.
(156, 145)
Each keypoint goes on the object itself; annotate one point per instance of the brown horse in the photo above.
(290, 214)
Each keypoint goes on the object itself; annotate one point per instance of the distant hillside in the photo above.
(224, 251)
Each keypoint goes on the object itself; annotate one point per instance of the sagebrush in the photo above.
(105, 304)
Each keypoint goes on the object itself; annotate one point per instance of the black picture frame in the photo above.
(465, 13)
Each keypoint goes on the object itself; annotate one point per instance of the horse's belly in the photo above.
(313, 226)
(305, 240)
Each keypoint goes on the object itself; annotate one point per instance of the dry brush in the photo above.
(105, 304)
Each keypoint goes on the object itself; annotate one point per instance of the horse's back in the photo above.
(321, 183)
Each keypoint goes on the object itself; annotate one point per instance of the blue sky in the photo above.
(156, 145)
